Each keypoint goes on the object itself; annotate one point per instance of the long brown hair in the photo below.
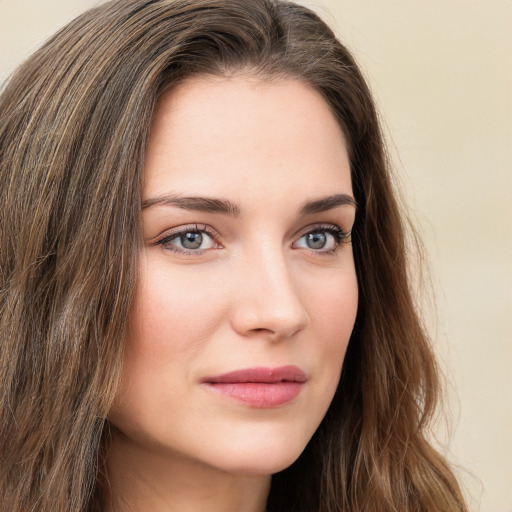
(74, 122)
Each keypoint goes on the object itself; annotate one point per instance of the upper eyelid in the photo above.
(211, 231)
(173, 232)
(333, 229)
(323, 226)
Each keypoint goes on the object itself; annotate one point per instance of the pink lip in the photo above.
(260, 387)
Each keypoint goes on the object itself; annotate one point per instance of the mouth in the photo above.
(259, 387)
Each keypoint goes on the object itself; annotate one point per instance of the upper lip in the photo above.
(266, 375)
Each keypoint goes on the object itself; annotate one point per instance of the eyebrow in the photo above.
(226, 207)
(327, 203)
(198, 204)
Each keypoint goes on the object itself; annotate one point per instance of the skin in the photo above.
(255, 294)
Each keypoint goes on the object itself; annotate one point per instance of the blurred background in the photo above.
(441, 72)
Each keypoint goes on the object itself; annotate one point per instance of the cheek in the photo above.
(333, 314)
(334, 308)
(167, 330)
(173, 315)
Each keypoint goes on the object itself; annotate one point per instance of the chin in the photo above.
(265, 455)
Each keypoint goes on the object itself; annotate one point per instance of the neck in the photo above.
(142, 480)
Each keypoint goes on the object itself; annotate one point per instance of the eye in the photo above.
(322, 239)
(188, 240)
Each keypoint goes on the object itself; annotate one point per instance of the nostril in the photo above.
(263, 330)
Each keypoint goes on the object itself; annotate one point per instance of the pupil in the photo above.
(191, 240)
(316, 240)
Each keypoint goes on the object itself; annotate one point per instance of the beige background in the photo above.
(441, 71)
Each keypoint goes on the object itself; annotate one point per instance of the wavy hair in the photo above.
(74, 124)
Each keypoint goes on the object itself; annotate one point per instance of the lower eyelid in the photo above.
(339, 236)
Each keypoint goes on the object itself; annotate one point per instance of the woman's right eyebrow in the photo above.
(200, 204)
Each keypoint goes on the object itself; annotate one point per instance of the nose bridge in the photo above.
(268, 299)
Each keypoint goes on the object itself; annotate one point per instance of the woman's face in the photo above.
(247, 291)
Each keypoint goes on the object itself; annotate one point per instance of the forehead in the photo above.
(215, 135)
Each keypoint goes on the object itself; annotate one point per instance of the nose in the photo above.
(266, 302)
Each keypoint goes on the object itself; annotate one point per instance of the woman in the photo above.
(197, 217)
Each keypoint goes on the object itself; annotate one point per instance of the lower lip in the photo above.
(259, 394)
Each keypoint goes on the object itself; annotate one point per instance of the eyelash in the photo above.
(166, 240)
(340, 236)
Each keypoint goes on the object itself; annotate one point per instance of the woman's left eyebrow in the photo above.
(327, 203)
